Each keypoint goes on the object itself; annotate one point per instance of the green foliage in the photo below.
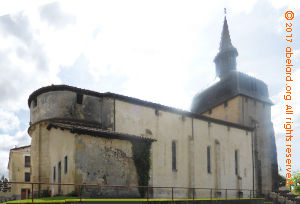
(3, 186)
(141, 158)
(75, 193)
(45, 194)
(296, 182)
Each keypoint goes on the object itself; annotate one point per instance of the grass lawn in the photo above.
(63, 199)
(298, 194)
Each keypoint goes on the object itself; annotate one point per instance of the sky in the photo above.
(159, 51)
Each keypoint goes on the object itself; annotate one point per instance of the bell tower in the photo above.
(242, 99)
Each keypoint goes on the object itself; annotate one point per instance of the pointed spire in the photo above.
(225, 38)
(226, 58)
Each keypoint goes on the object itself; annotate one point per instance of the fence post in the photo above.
(172, 194)
(147, 193)
(211, 193)
(226, 194)
(193, 193)
(79, 192)
(32, 194)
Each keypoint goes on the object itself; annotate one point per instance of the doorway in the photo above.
(25, 193)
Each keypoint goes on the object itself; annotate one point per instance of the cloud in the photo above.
(24, 67)
(54, 16)
(290, 4)
(16, 26)
(23, 62)
(9, 121)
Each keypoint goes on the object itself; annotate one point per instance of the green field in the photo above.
(76, 199)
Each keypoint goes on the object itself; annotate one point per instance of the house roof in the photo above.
(14, 149)
(23, 147)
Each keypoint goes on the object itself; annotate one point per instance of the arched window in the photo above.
(208, 159)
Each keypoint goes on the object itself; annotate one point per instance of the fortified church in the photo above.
(226, 140)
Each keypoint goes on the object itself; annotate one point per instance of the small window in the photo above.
(27, 161)
(79, 98)
(174, 156)
(54, 174)
(34, 102)
(209, 111)
(208, 160)
(66, 164)
(246, 99)
(225, 104)
(254, 102)
(236, 162)
(27, 177)
(264, 105)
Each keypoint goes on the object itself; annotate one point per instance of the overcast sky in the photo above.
(160, 51)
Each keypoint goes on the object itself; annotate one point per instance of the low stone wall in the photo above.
(5, 199)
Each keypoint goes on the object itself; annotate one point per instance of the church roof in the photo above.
(233, 84)
(133, 101)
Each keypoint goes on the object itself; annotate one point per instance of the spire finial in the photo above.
(225, 12)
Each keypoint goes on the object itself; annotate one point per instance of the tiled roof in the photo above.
(81, 127)
(23, 147)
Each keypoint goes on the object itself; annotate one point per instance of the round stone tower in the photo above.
(73, 140)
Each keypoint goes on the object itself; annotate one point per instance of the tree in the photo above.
(296, 182)
(3, 186)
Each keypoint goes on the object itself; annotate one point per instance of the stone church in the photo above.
(226, 140)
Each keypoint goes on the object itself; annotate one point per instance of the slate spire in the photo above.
(226, 58)
(225, 38)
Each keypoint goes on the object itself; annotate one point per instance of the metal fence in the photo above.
(38, 190)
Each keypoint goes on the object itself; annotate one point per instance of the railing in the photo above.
(131, 191)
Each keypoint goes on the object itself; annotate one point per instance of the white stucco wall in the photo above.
(191, 147)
